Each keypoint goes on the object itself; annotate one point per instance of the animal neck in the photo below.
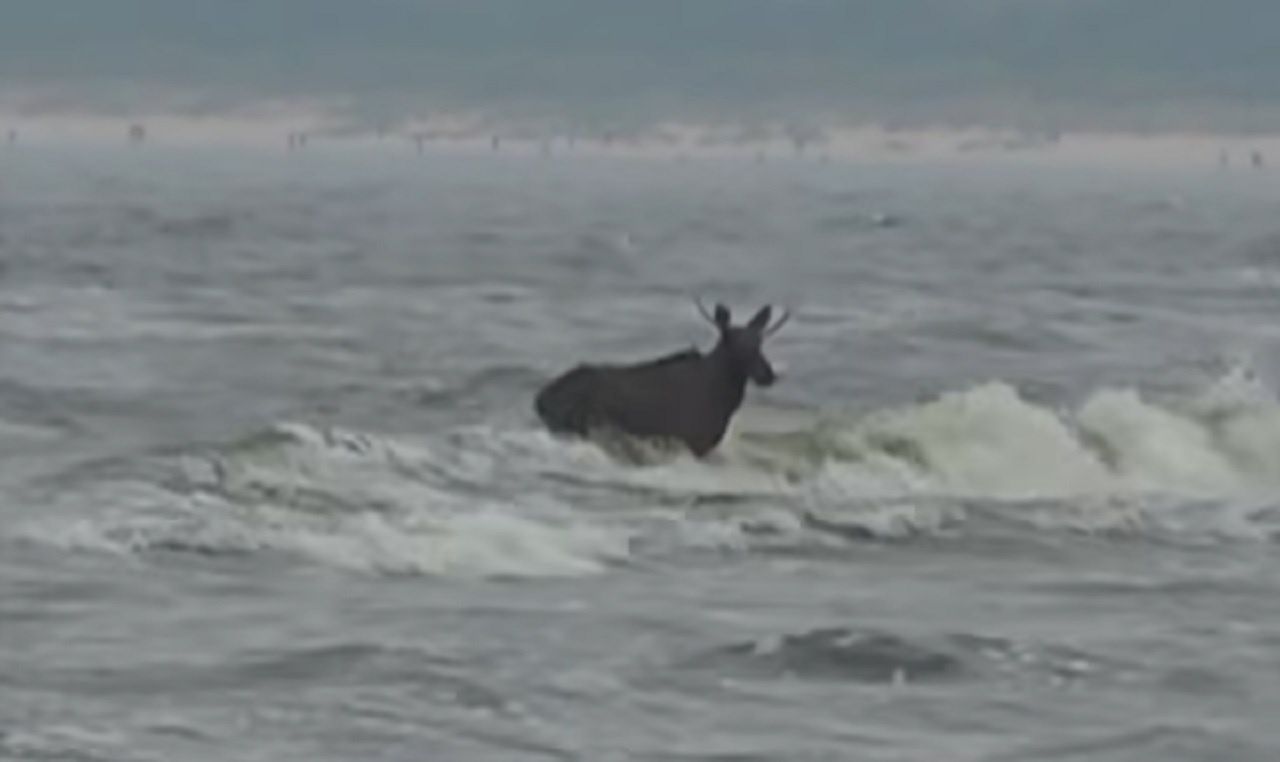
(730, 376)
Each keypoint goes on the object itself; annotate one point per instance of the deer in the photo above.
(688, 397)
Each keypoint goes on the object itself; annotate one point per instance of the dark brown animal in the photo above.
(687, 396)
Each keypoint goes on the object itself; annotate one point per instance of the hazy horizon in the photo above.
(1036, 66)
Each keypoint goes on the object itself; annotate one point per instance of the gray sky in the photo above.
(1147, 65)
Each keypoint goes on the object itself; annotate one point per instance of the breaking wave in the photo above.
(342, 499)
(489, 501)
(1208, 465)
(991, 442)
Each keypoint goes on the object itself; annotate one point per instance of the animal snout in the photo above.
(763, 374)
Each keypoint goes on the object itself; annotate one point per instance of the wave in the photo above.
(208, 226)
(343, 499)
(876, 656)
(991, 442)
(860, 221)
(485, 543)
(1209, 464)
(488, 500)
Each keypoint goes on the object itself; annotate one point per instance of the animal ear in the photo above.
(722, 316)
(761, 319)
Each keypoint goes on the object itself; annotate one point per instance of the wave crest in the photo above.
(489, 501)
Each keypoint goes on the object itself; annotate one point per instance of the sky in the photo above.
(1144, 66)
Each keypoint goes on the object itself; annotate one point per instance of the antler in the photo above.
(697, 300)
(771, 330)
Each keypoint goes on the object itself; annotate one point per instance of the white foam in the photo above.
(484, 501)
(984, 442)
(489, 541)
(1155, 450)
(1119, 461)
(340, 499)
(989, 442)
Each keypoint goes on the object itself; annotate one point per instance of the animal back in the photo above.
(680, 396)
(566, 404)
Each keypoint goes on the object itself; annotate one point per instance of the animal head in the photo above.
(743, 344)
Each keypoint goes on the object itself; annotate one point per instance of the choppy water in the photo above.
(273, 488)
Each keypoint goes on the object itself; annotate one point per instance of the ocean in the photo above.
(272, 487)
